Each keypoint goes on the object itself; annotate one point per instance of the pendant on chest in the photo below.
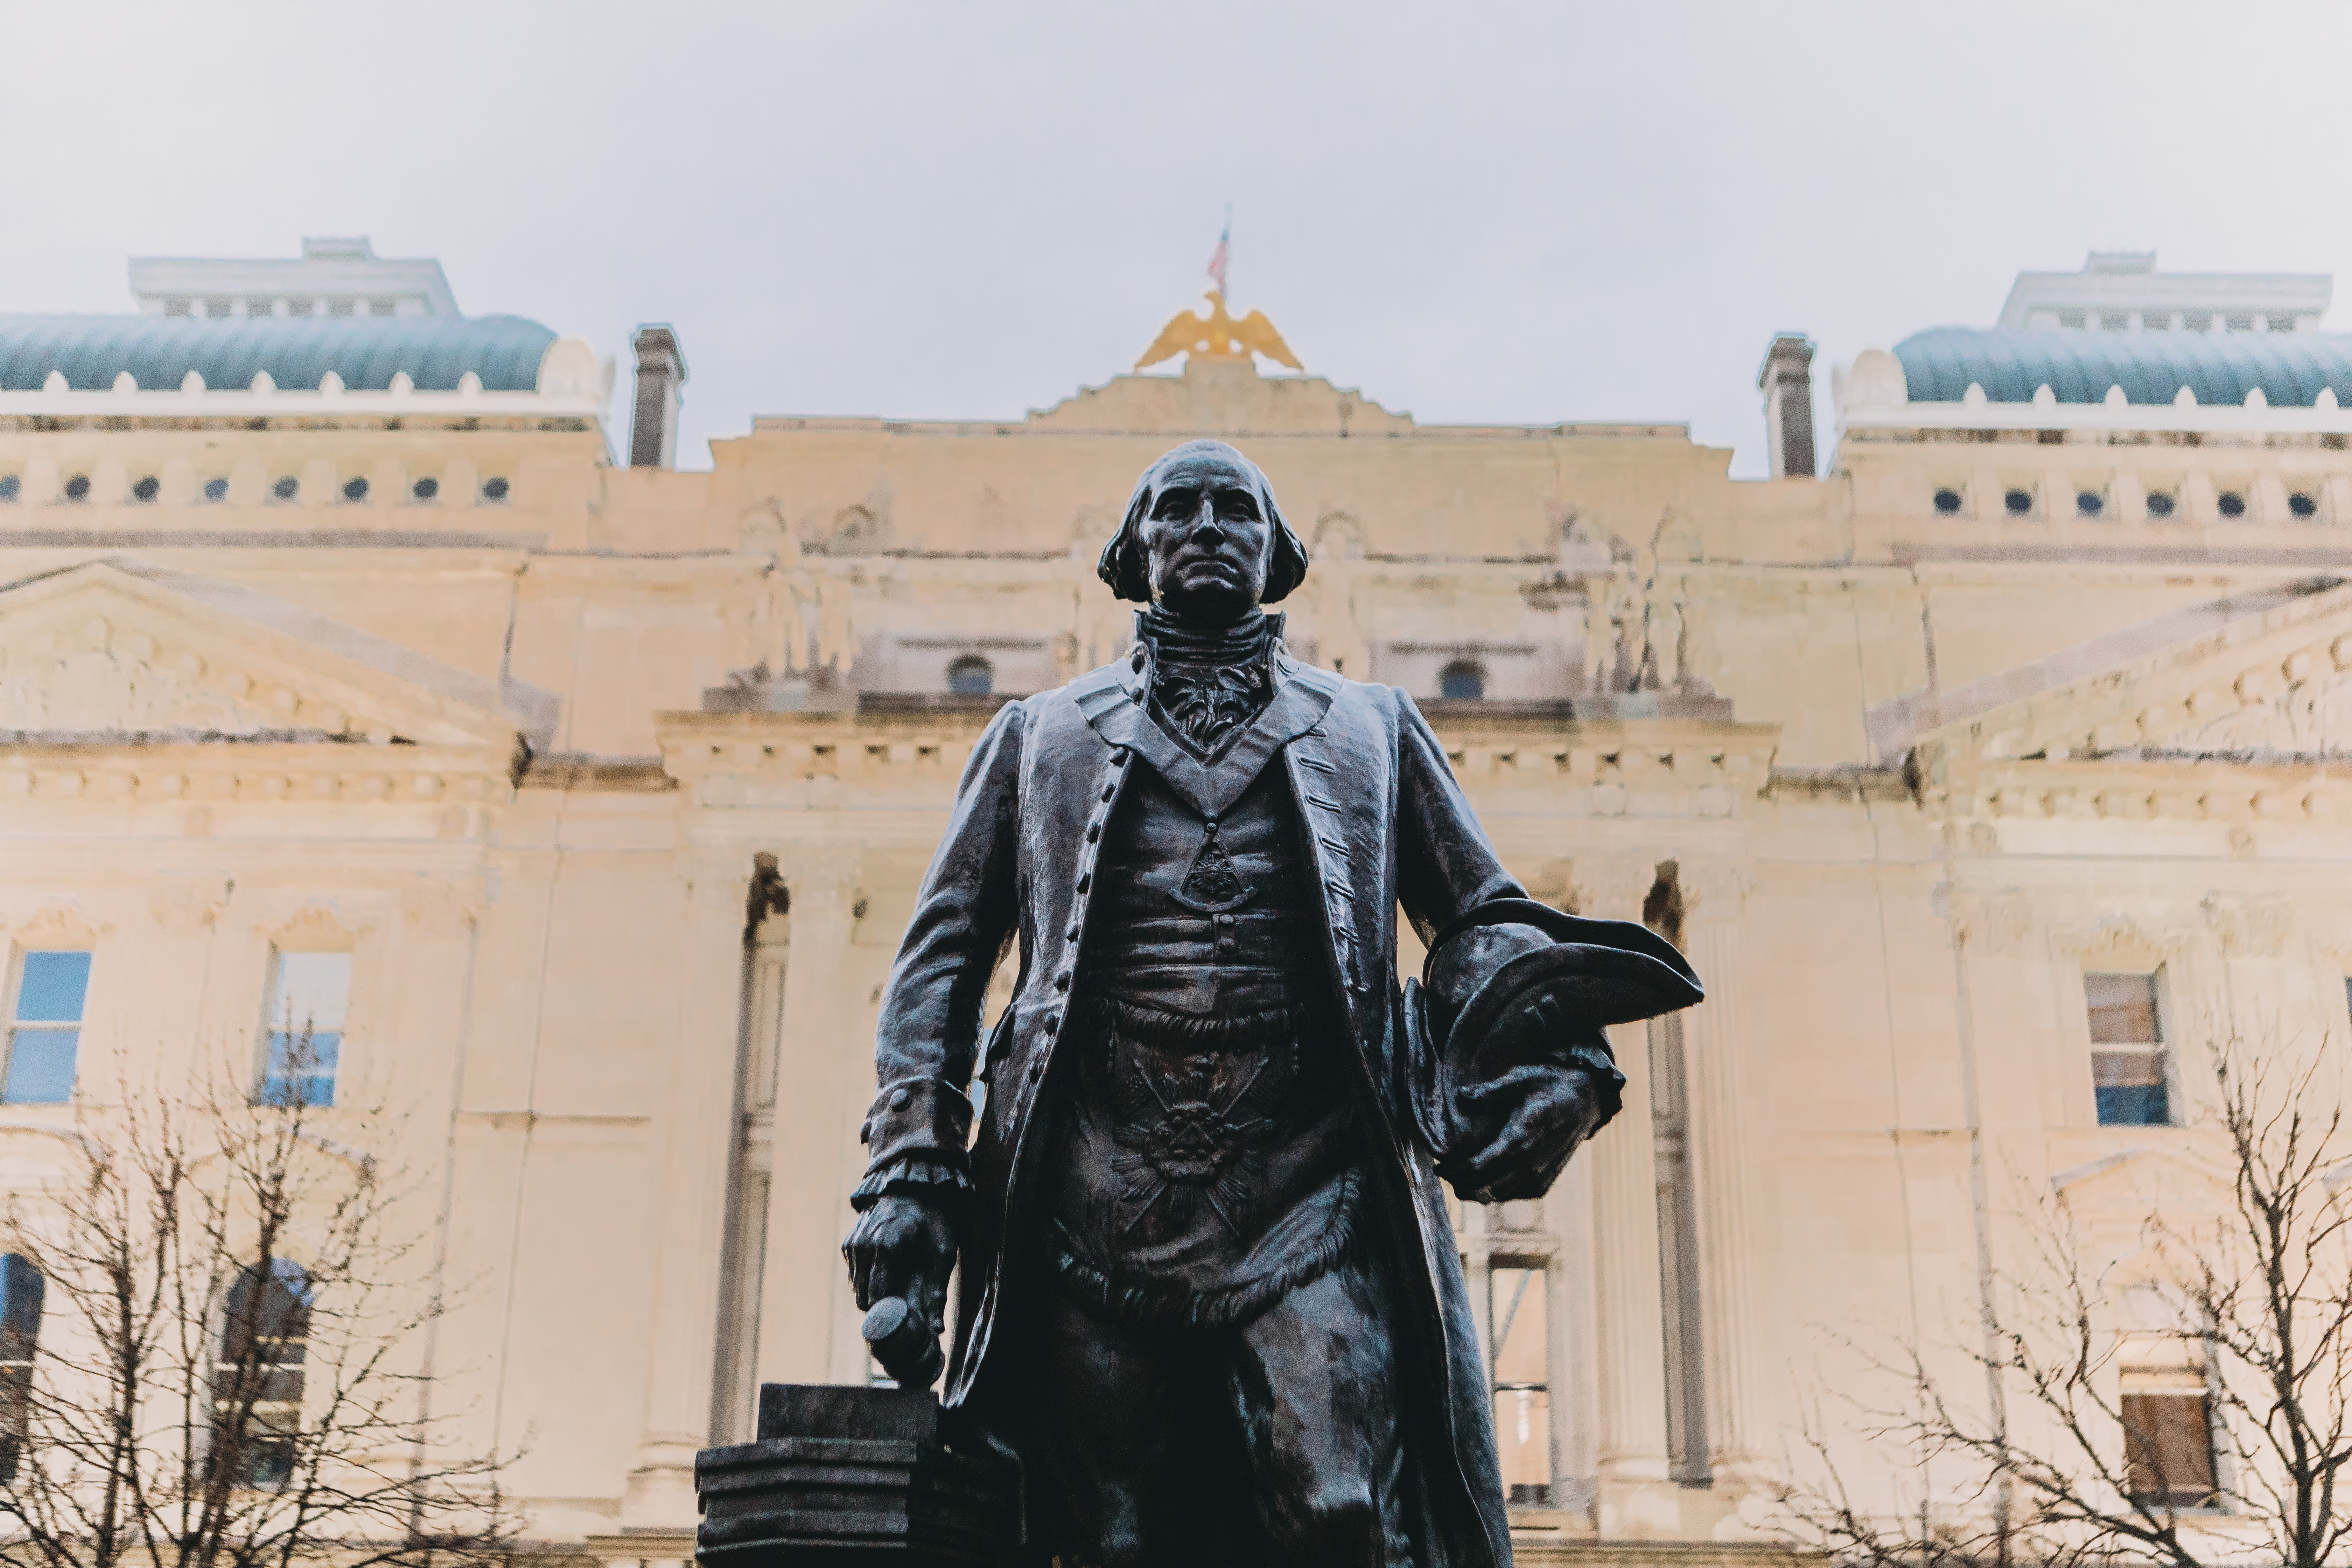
(1212, 885)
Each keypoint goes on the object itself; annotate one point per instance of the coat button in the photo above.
(1108, 791)
(900, 1100)
(1086, 880)
(1036, 1071)
(1118, 756)
(1225, 920)
(1072, 935)
(1061, 980)
(1053, 1022)
(865, 1131)
(1093, 830)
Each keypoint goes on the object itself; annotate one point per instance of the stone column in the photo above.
(824, 1076)
(696, 1132)
(1727, 1132)
(1628, 1328)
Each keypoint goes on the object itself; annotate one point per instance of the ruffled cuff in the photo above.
(939, 1181)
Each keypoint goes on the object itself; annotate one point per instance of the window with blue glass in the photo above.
(2126, 1051)
(45, 1031)
(21, 1289)
(308, 995)
(257, 1381)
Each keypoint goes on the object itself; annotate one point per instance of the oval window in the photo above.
(355, 489)
(2232, 504)
(1463, 681)
(2160, 504)
(2090, 503)
(78, 488)
(1947, 501)
(147, 488)
(972, 675)
(216, 489)
(2019, 502)
(494, 490)
(425, 489)
(2302, 505)
(287, 487)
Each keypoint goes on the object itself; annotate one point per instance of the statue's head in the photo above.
(1202, 537)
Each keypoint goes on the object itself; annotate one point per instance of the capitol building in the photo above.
(363, 654)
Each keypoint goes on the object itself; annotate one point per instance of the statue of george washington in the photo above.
(1209, 1295)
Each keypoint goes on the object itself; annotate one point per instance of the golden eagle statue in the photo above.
(1218, 336)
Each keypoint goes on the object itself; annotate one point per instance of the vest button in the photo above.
(1086, 880)
(900, 1100)
(1093, 830)
(1071, 934)
(1061, 980)
(1053, 1022)
(1108, 791)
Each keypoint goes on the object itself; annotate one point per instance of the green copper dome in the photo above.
(229, 351)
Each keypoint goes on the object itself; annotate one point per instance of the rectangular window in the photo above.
(308, 991)
(46, 1029)
(2126, 1051)
(1522, 1380)
(2168, 1449)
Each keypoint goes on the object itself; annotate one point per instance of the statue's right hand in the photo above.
(904, 1246)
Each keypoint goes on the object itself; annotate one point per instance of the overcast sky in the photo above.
(1472, 213)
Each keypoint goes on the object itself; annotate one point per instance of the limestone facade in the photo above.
(615, 787)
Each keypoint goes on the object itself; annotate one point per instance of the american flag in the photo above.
(1217, 257)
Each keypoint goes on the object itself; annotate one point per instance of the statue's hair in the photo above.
(1123, 566)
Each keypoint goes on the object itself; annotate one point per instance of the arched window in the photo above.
(972, 675)
(258, 1381)
(1463, 681)
(21, 1287)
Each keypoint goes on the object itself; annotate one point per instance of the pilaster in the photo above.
(696, 1134)
(1734, 1186)
(1630, 1330)
(824, 1079)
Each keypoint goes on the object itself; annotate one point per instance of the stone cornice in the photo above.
(1660, 767)
(2134, 789)
(319, 772)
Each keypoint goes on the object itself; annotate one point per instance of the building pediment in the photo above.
(2263, 679)
(1222, 397)
(124, 652)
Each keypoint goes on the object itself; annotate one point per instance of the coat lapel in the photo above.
(1112, 700)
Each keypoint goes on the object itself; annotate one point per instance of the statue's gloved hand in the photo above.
(1514, 1132)
(904, 1246)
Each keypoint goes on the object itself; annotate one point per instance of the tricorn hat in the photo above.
(1600, 972)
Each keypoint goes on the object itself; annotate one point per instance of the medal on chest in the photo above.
(1212, 886)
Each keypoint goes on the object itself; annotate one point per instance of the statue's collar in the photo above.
(1173, 641)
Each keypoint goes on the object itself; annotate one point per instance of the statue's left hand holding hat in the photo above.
(1513, 1070)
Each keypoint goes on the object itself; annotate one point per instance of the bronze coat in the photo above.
(1384, 822)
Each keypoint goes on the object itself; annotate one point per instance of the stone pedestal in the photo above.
(874, 1477)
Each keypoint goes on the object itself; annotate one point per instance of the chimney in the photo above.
(661, 371)
(1787, 380)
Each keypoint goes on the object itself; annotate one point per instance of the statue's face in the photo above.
(1207, 541)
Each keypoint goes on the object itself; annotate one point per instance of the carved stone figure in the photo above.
(1209, 1295)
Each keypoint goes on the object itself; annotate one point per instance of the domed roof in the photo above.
(366, 352)
(1940, 365)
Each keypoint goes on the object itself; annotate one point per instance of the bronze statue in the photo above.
(1209, 1296)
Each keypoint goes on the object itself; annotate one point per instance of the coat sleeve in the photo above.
(920, 1120)
(1445, 864)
